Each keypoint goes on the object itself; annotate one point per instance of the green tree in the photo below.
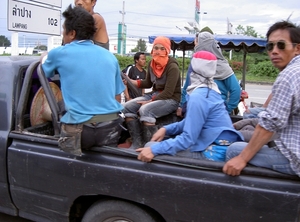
(41, 47)
(249, 31)
(207, 29)
(4, 41)
(141, 46)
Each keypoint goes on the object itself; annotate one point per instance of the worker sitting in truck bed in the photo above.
(207, 130)
(90, 80)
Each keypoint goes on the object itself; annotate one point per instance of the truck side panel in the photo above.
(11, 69)
(176, 192)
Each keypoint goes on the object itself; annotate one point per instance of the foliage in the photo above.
(236, 66)
(41, 47)
(264, 68)
(4, 41)
(207, 29)
(249, 31)
(141, 46)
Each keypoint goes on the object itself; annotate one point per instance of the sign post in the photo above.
(26, 17)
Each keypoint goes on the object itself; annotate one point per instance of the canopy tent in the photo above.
(248, 44)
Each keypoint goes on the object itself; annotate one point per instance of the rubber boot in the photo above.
(148, 131)
(134, 128)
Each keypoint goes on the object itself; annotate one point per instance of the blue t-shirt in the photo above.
(90, 80)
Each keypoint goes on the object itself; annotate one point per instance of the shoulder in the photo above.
(98, 18)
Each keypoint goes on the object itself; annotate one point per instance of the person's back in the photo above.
(224, 77)
(83, 66)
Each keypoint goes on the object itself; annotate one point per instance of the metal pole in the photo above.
(122, 31)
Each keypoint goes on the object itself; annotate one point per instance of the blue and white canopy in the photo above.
(227, 42)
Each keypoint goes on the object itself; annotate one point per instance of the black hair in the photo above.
(290, 27)
(79, 20)
(137, 56)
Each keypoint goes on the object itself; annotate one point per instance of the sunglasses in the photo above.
(280, 45)
(159, 48)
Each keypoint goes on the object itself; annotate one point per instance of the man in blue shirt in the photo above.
(90, 80)
(207, 130)
(282, 115)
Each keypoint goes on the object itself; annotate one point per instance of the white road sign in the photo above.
(26, 17)
(56, 3)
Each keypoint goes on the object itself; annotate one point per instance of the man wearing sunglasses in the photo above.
(282, 114)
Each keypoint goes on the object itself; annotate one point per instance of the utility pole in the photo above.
(123, 28)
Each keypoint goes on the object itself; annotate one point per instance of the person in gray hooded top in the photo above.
(224, 76)
(209, 138)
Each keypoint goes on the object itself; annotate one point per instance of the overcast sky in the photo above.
(148, 17)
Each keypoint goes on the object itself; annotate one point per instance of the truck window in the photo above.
(34, 114)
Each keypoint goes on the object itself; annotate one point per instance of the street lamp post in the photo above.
(204, 13)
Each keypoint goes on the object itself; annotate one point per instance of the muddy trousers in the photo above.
(75, 137)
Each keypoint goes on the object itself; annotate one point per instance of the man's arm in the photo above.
(260, 137)
(101, 32)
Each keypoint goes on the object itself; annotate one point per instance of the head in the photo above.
(283, 43)
(206, 42)
(140, 59)
(204, 63)
(86, 4)
(161, 46)
(78, 25)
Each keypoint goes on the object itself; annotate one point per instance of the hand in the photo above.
(234, 166)
(144, 102)
(179, 112)
(159, 135)
(145, 155)
(125, 81)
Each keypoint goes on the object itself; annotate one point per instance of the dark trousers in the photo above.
(101, 134)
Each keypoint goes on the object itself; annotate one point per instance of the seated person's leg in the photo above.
(101, 134)
(149, 112)
(132, 107)
(252, 112)
(267, 157)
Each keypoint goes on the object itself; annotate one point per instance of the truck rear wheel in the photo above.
(116, 211)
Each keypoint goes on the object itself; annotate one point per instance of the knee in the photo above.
(234, 150)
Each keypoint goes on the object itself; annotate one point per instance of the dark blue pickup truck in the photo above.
(40, 182)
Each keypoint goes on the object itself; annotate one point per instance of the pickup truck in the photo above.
(40, 182)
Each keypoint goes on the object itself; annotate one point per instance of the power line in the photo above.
(157, 15)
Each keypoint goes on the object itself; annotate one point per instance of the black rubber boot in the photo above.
(134, 128)
(148, 131)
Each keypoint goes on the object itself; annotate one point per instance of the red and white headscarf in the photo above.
(204, 65)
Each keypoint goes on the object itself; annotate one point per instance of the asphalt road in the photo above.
(257, 93)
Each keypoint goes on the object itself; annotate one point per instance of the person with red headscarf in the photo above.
(163, 75)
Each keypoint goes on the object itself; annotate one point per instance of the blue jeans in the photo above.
(150, 111)
(253, 112)
(266, 157)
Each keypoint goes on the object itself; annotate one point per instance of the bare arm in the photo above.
(101, 32)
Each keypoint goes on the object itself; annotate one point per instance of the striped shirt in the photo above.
(283, 113)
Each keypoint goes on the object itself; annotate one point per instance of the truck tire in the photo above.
(116, 211)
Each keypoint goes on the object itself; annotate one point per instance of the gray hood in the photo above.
(207, 42)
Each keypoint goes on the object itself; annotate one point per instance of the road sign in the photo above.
(56, 3)
(26, 17)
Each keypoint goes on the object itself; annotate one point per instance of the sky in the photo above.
(152, 17)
